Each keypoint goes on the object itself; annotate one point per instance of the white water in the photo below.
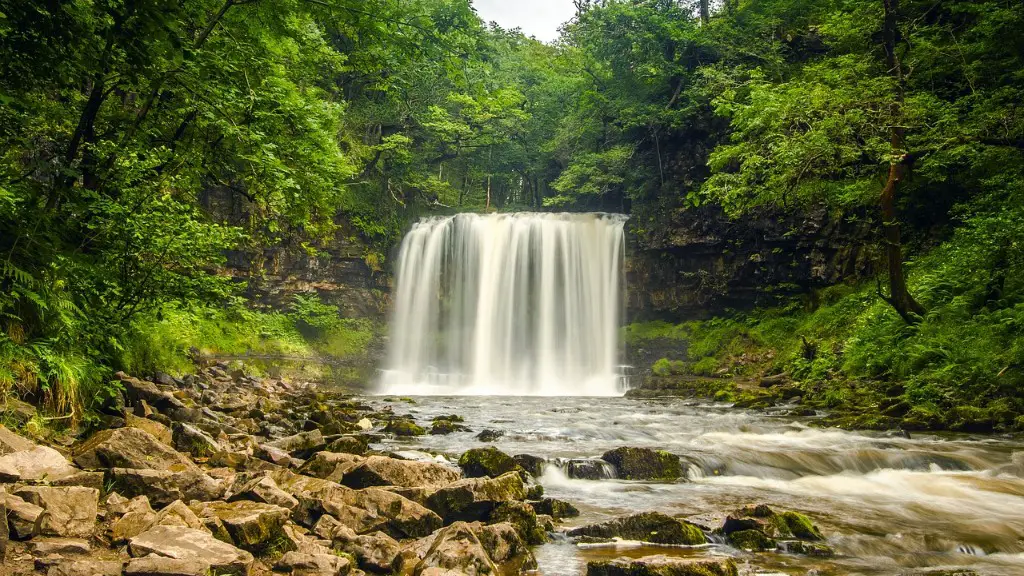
(511, 304)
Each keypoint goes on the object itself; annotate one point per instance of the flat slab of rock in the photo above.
(158, 430)
(35, 464)
(191, 544)
(165, 486)
(662, 566)
(86, 568)
(251, 525)
(154, 565)
(11, 442)
(46, 546)
(67, 510)
(130, 448)
(299, 564)
(653, 527)
(22, 517)
(384, 471)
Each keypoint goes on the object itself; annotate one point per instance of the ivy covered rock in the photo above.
(489, 461)
(653, 527)
(644, 464)
(662, 566)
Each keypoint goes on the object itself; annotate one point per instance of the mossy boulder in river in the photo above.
(644, 464)
(475, 498)
(752, 541)
(653, 527)
(489, 461)
(662, 566)
(758, 528)
(404, 427)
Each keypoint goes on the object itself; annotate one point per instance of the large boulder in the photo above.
(759, 527)
(82, 567)
(165, 486)
(644, 464)
(262, 488)
(194, 440)
(191, 544)
(533, 465)
(305, 564)
(67, 510)
(154, 565)
(384, 471)
(557, 509)
(301, 445)
(140, 518)
(663, 566)
(330, 465)
(489, 461)
(35, 464)
(653, 527)
(253, 526)
(475, 498)
(375, 552)
(523, 518)
(156, 429)
(130, 448)
(457, 547)
(588, 469)
(138, 391)
(365, 511)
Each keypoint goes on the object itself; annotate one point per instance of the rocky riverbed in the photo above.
(220, 473)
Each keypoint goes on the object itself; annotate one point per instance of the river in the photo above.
(887, 504)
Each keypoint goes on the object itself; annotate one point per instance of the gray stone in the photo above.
(35, 464)
(154, 565)
(251, 525)
(300, 564)
(264, 489)
(130, 448)
(22, 517)
(165, 486)
(457, 547)
(86, 568)
(11, 442)
(188, 543)
(67, 511)
(45, 546)
(195, 441)
(300, 445)
(384, 471)
(156, 429)
(474, 498)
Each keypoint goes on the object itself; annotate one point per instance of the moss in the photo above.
(644, 464)
(815, 549)
(653, 527)
(706, 366)
(523, 518)
(446, 427)
(489, 461)
(753, 540)
(799, 526)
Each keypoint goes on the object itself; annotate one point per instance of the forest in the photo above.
(142, 143)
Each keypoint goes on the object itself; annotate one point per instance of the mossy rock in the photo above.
(489, 461)
(450, 418)
(798, 526)
(523, 518)
(653, 527)
(534, 492)
(557, 509)
(752, 540)
(534, 465)
(440, 427)
(923, 418)
(644, 464)
(762, 518)
(815, 549)
(404, 427)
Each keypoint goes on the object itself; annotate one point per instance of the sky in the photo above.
(540, 18)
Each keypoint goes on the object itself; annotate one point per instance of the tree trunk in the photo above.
(899, 168)
(705, 11)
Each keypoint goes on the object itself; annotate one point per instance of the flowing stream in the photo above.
(525, 304)
(887, 504)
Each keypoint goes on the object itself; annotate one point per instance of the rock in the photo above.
(252, 525)
(490, 461)
(153, 565)
(264, 489)
(475, 498)
(11, 442)
(137, 391)
(557, 509)
(522, 517)
(815, 549)
(164, 486)
(588, 469)
(299, 564)
(22, 517)
(457, 548)
(375, 552)
(441, 427)
(193, 440)
(384, 471)
(662, 566)
(404, 427)
(86, 478)
(67, 511)
(644, 464)
(116, 505)
(490, 435)
(35, 464)
(301, 445)
(534, 465)
(752, 540)
(505, 548)
(4, 530)
(130, 448)
(366, 510)
(156, 429)
(138, 517)
(188, 543)
(330, 465)
(276, 456)
(364, 424)
(80, 567)
(62, 546)
(772, 524)
(653, 527)
(348, 445)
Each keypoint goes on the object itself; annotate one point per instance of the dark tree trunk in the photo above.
(899, 168)
(705, 11)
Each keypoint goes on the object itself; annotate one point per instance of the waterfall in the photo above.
(508, 304)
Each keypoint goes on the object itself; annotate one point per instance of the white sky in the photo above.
(540, 18)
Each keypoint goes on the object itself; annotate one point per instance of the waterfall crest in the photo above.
(508, 304)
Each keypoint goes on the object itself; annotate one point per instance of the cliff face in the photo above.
(697, 262)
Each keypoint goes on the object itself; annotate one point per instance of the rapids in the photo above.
(887, 504)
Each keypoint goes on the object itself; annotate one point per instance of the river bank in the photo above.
(229, 473)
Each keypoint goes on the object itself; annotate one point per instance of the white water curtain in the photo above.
(508, 304)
